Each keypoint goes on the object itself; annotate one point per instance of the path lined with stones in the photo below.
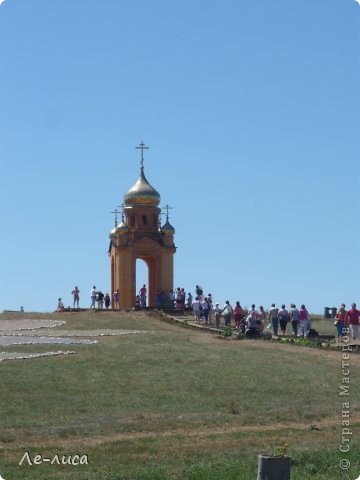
(23, 356)
(41, 332)
(27, 324)
(100, 332)
(7, 340)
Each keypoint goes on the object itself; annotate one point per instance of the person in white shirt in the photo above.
(227, 313)
(205, 309)
(274, 318)
(294, 316)
(93, 297)
(196, 309)
(251, 320)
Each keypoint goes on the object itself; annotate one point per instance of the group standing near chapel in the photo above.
(205, 311)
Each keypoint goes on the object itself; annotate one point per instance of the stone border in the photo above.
(19, 324)
(24, 356)
(9, 340)
(99, 332)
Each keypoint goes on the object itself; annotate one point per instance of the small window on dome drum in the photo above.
(155, 220)
(144, 220)
(132, 220)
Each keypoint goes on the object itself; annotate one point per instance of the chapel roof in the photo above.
(142, 193)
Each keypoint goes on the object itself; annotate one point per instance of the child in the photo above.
(60, 305)
(137, 302)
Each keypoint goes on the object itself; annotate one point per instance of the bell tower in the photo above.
(139, 235)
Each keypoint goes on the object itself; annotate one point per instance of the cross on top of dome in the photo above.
(142, 193)
(167, 208)
(142, 147)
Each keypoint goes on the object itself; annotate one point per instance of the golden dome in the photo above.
(142, 193)
(121, 229)
(168, 228)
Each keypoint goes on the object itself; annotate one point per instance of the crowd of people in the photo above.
(254, 320)
(98, 299)
(275, 319)
(241, 318)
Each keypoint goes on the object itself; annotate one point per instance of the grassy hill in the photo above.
(173, 403)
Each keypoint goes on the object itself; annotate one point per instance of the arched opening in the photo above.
(145, 274)
(142, 277)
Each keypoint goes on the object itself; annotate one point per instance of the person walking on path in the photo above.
(274, 318)
(217, 313)
(352, 319)
(76, 296)
(294, 319)
(283, 319)
(189, 301)
(304, 318)
(238, 314)
(205, 310)
(183, 297)
(178, 298)
(196, 309)
(93, 297)
(210, 301)
(227, 313)
(340, 322)
(261, 318)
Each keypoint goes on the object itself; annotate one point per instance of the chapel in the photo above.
(140, 235)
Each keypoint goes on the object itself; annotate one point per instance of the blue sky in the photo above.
(250, 110)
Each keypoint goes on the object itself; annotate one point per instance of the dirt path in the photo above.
(201, 432)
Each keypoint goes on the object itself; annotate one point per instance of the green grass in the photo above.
(173, 404)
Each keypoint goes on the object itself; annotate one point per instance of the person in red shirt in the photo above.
(352, 319)
(340, 322)
(238, 313)
(142, 295)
